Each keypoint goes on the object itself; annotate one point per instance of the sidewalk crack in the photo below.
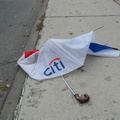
(83, 16)
(116, 1)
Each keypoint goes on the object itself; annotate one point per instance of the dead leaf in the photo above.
(81, 68)
(64, 89)
(5, 87)
(1, 95)
(105, 111)
(4, 80)
(65, 76)
(22, 46)
(10, 25)
(42, 18)
(16, 64)
(26, 35)
(1, 81)
(70, 33)
(39, 26)
(25, 25)
(7, 80)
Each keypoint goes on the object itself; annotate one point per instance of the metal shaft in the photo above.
(68, 86)
(80, 99)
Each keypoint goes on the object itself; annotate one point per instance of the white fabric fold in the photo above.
(60, 56)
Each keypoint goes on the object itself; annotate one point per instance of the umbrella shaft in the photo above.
(68, 86)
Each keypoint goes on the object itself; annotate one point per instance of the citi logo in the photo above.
(55, 65)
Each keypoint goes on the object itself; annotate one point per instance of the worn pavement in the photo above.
(19, 22)
(16, 21)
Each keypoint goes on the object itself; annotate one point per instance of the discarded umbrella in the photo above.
(83, 99)
(58, 57)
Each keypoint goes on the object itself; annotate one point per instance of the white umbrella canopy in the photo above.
(60, 56)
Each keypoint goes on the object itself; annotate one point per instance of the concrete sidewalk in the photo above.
(100, 78)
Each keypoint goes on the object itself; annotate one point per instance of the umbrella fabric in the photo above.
(60, 56)
(95, 47)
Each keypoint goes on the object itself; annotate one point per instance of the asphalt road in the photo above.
(17, 18)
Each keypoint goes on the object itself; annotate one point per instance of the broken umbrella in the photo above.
(60, 56)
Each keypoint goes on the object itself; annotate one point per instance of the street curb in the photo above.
(13, 97)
